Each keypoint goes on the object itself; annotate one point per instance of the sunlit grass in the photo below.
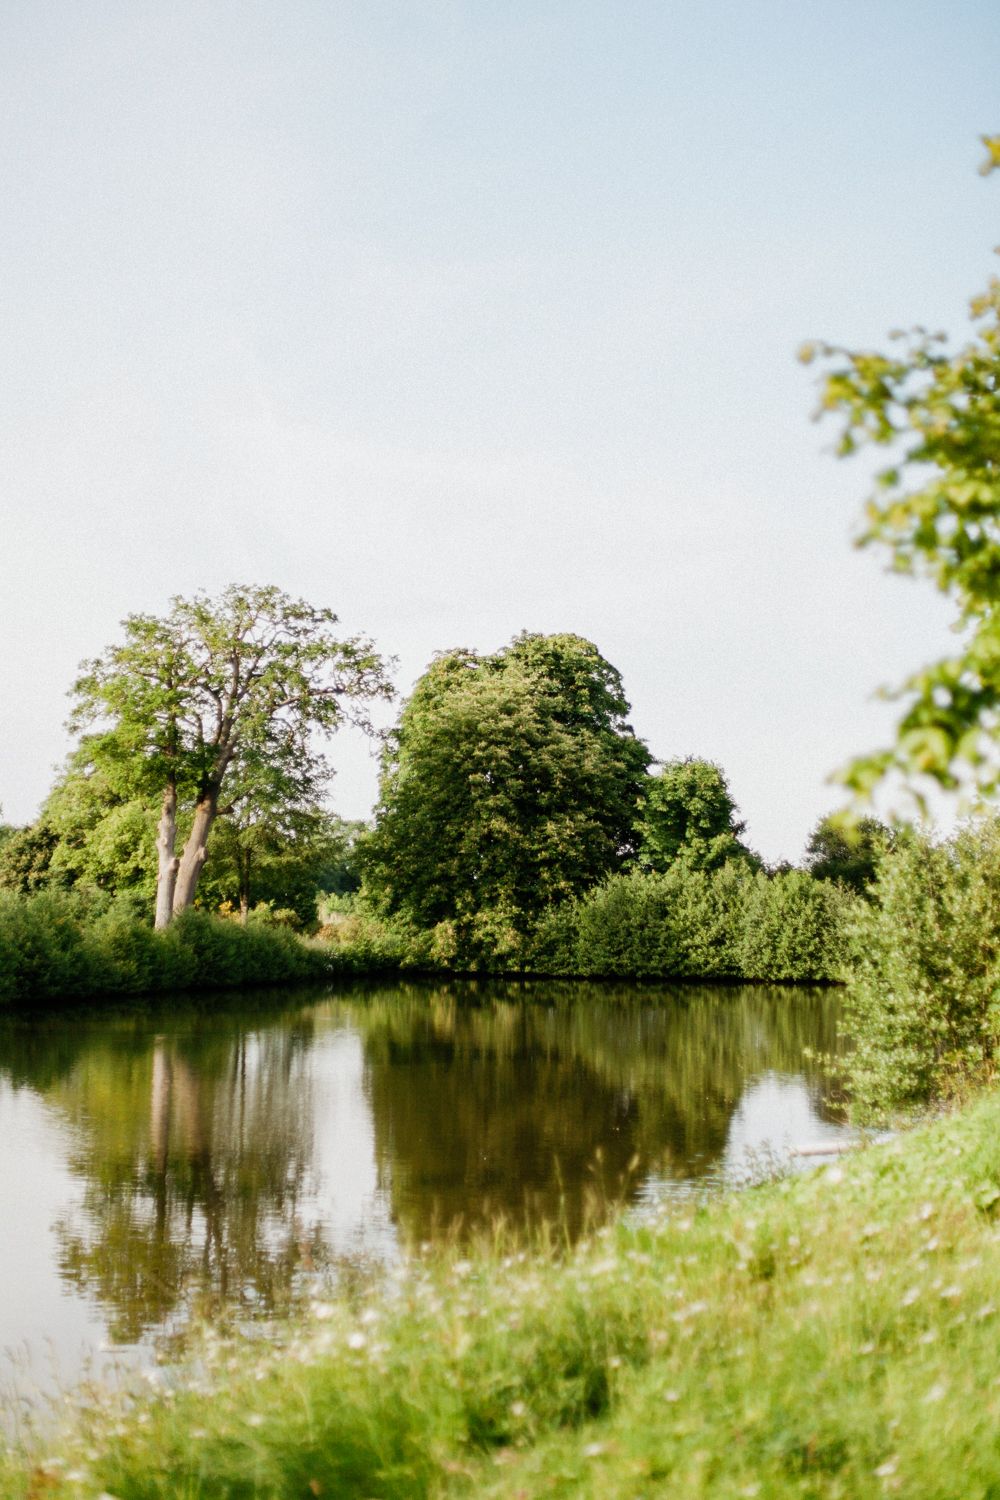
(835, 1335)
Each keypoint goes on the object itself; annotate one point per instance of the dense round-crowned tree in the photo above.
(689, 814)
(510, 783)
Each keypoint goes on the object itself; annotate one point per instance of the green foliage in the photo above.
(689, 923)
(849, 853)
(688, 813)
(792, 927)
(273, 842)
(922, 998)
(339, 873)
(936, 508)
(828, 1336)
(59, 946)
(105, 832)
(273, 838)
(26, 858)
(510, 784)
(252, 669)
(222, 695)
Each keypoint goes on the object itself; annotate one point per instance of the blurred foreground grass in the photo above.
(833, 1335)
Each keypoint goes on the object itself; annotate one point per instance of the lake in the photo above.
(155, 1165)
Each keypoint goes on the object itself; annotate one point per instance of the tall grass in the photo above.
(830, 1336)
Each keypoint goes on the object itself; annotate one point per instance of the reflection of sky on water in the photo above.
(48, 1330)
(43, 1323)
(775, 1113)
(349, 1201)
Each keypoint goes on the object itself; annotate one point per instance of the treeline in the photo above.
(521, 826)
(58, 945)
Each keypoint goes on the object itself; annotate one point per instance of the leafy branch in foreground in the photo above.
(936, 507)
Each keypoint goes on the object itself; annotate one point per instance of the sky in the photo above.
(468, 318)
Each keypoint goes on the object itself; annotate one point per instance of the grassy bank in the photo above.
(831, 1336)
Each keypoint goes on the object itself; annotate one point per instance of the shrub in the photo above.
(694, 924)
(924, 990)
(64, 945)
(792, 927)
(42, 947)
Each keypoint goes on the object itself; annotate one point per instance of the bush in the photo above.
(792, 927)
(923, 998)
(693, 924)
(64, 945)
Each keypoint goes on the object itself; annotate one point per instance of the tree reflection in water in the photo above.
(195, 1151)
(194, 1134)
(531, 1101)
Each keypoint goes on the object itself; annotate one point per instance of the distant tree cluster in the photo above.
(511, 784)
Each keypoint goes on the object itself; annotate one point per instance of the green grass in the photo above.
(835, 1335)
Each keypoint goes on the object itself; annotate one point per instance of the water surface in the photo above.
(155, 1164)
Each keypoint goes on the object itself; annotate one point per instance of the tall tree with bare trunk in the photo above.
(249, 676)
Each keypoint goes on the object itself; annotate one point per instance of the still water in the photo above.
(155, 1165)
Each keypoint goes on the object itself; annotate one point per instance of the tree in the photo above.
(688, 813)
(340, 873)
(850, 855)
(26, 858)
(103, 830)
(253, 673)
(510, 783)
(936, 508)
(275, 835)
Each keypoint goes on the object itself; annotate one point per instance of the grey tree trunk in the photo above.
(195, 851)
(167, 861)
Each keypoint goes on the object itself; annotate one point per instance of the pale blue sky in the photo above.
(468, 318)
